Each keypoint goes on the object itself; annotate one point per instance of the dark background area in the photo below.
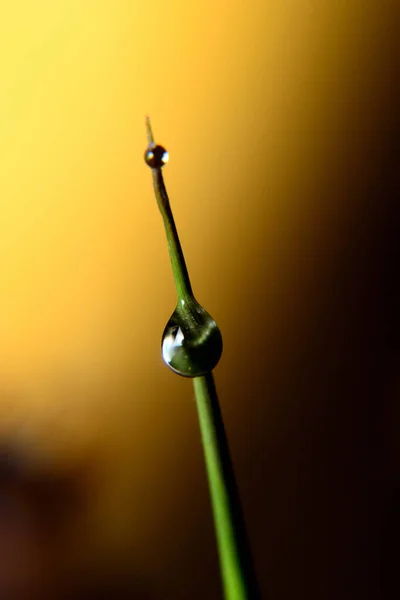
(282, 124)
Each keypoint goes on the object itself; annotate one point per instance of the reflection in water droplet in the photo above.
(191, 342)
(156, 156)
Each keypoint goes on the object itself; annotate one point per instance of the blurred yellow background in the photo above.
(275, 115)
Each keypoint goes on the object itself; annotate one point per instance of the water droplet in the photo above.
(156, 156)
(191, 343)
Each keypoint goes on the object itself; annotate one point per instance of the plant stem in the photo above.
(238, 577)
(179, 269)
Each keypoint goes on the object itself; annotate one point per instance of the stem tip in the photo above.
(149, 132)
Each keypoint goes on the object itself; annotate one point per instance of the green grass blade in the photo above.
(236, 564)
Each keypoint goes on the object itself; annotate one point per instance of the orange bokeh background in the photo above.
(276, 116)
